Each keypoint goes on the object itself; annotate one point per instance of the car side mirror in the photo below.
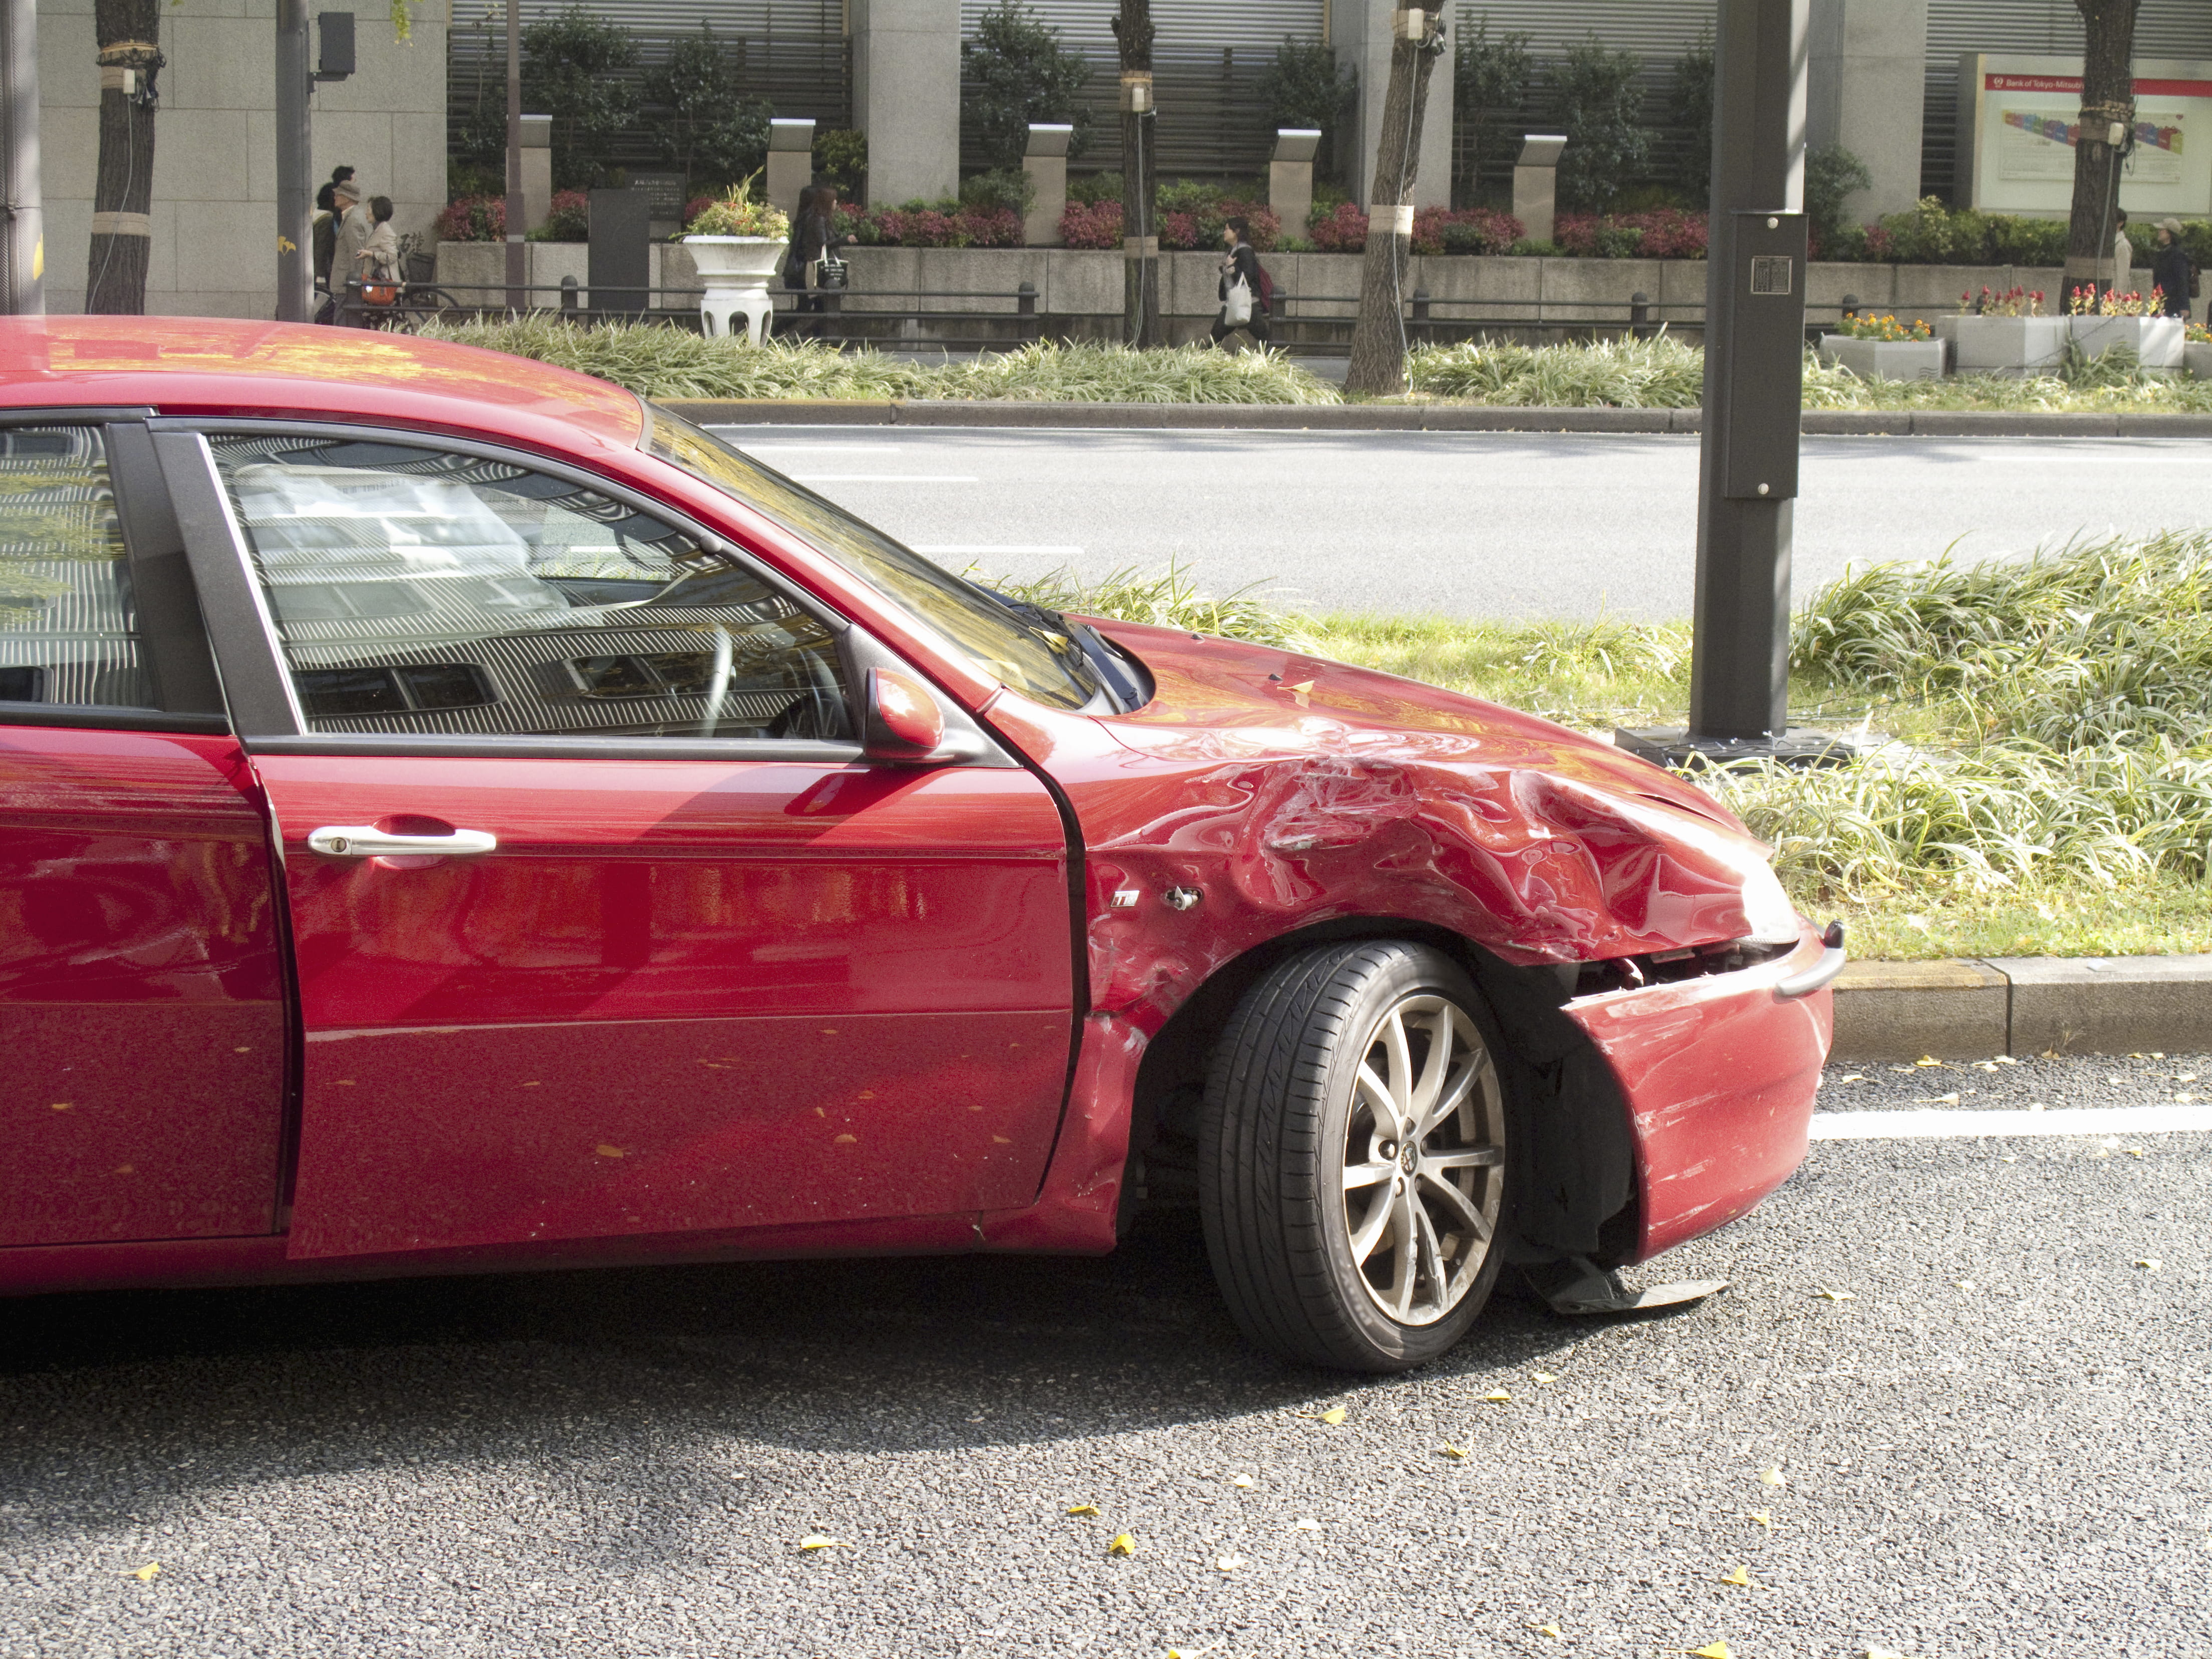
(905, 726)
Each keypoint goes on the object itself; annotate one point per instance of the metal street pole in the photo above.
(1754, 386)
(516, 276)
(295, 142)
(22, 214)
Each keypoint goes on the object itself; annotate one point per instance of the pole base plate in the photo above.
(1673, 746)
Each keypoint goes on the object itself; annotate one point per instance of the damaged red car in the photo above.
(455, 816)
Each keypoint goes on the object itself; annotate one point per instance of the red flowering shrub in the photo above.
(569, 219)
(473, 219)
(696, 206)
(1094, 226)
(1468, 230)
(992, 226)
(1660, 233)
(1341, 230)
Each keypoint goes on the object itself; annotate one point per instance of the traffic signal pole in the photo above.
(1754, 386)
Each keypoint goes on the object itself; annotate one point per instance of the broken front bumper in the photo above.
(1718, 1074)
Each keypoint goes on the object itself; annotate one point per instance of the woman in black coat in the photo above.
(1240, 263)
(2170, 268)
(813, 238)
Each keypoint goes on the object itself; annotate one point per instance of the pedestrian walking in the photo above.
(325, 226)
(813, 239)
(1245, 289)
(2124, 256)
(377, 265)
(354, 227)
(2172, 270)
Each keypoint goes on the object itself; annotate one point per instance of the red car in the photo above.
(456, 816)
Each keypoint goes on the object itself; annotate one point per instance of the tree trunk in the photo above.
(2108, 97)
(1140, 239)
(1378, 337)
(127, 32)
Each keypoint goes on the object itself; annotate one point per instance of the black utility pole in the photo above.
(296, 143)
(22, 215)
(1754, 388)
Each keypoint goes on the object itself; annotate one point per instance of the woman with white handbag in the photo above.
(1244, 288)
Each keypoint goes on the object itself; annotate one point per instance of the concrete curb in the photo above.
(1412, 417)
(1953, 1010)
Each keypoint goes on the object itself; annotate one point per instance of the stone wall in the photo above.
(1077, 290)
(214, 209)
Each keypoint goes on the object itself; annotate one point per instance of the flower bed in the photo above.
(1661, 234)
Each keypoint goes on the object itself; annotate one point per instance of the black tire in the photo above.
(1287, 1110)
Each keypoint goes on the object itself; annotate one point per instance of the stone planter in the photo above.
(1884, 360)
(735, 270)
(2197, 360)
(2156, 341)
(2004, 345)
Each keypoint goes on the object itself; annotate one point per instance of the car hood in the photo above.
(1318, 786)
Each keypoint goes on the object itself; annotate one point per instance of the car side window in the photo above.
(69, 629)
(418, 590)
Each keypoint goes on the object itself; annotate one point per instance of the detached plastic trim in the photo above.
(1822, 973)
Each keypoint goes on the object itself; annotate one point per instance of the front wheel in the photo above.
(1352, 1156)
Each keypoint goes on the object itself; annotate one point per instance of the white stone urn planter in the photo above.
(1884, 360)
(2197, 360)
(2004, 345)
(736, 270)
(2156, 341)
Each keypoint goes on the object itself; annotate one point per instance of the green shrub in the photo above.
(1657, 373)
(840, 158)
(574, 69)
(707, 131)
(1304, 86)
(1693, 104)
(1021, 73)
(1602, 110)
(1009, 190)
(1093, 188)
(1490, 85)
(1831, 174)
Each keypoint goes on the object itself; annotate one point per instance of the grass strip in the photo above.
(2051, 793)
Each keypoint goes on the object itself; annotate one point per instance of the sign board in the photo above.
(2019, 119)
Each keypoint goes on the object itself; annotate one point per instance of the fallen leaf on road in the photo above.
(1082, 1509)
(1306, 1523)
(1937, 1100)
(1229, 1563)
(1855, 1076)
(146, 1573)
(1711, 1650)
(1454, 1453)
(1552, 1630)
(1965, 1284)
(1773, 1477)
(1985, 1065)
(1740, 1576)
(1332, 1416)
(1122, 1544)
(1837, 1296)
(2147, 1263)
(1546, 1376)
(1883, 1653)
(2133, 1151)
(1498, 1397)
(1762, 1517)
(1929, 1059)
(1241, 1480)
(815, 1540)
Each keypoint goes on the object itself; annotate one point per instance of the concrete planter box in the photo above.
(2197, 360)
(2156, 341)
(1884, 360)
(2004, 345)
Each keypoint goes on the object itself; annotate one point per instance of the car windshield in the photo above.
(1022, 652)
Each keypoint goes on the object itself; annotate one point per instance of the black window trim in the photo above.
(172, 639)
(249, 653)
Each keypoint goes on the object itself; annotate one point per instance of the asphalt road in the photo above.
(1992, 1440)
(1459, 524)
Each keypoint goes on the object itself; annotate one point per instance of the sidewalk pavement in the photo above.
(1974, 1010)
(1413, 417)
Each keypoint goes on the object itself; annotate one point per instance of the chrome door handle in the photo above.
(366, 840)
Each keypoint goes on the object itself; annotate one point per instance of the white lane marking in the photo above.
(812, 449)
(979, 549)
(1951, 1125)
(881, 477)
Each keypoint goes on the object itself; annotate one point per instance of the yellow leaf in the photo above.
(1740, 1576)
(1762, 1517)
(1837, 1296)
(146, 1573)
(1082, 1509)
(1122, 1544)
(2148, 1263)
(1454, 1453)
(1498, 1397)
(815, 1540)
(1552, 1630)
(1306, 1523)
(1546, 1376)
(1773, 1477)
(1332, 1416)
(1927, 1059)
(1241, 1480)
(1965, 1284)
(1229, 1563)
(1711, 1650)
(1854, 1077)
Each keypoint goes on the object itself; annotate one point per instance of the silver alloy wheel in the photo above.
(1422, 1159)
